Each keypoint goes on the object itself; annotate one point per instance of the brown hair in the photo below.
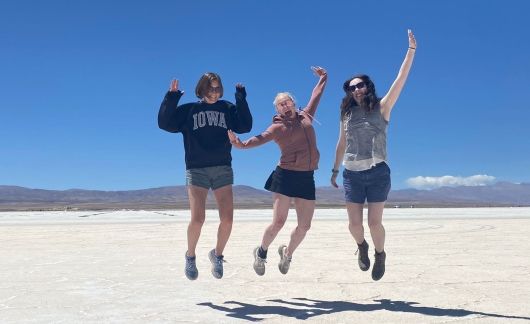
(205, 83)
(348, 103)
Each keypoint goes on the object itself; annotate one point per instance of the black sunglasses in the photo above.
(214, 89)
(359, 85)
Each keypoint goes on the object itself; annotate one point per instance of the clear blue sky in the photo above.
(81, 83)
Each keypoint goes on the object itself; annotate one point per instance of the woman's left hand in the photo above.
(412, 40)
(334, 179)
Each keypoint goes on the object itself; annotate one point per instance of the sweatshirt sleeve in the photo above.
(240, 114)
(171, 118)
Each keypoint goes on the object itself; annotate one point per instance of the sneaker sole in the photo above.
(363, 267)
(191, 278)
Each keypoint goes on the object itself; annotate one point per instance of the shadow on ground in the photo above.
(307, 308)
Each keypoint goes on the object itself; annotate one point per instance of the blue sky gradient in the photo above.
(82, 82)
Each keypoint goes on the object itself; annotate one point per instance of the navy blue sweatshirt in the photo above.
(204, 127)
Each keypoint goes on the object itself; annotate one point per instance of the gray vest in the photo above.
(365, 138)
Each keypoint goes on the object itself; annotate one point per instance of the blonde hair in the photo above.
(282, 95)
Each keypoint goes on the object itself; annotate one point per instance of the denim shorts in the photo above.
(210, 177)
(372, 185)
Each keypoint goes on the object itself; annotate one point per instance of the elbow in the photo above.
(341, 146)
(162, 124)
(245, 128)
(249, 124)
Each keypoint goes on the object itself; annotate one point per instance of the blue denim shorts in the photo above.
(210, 177)
(372, 185)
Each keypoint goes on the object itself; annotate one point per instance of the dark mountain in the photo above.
(20, 198)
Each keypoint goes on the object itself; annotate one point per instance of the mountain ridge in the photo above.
(175, 197)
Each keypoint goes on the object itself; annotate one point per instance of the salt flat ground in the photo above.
(443, 265)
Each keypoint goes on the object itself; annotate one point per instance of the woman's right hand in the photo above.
(334, 180)
(174, 86)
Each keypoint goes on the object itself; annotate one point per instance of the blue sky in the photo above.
(81, 84)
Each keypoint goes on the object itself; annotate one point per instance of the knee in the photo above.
(278, 224)
(304, 227)
(374, 224)
(355, 225)
(227, 219)
(197, 221)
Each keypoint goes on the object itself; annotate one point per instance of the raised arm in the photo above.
(318, 90)
(241, 116)
(388, 101)
(170, 118)
(339, 155)
(254, 141)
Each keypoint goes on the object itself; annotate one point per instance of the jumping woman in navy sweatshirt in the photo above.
(204, 125)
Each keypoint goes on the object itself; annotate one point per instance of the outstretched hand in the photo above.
(319, 71)
(234, 140)
(174, 86)
(412, 40)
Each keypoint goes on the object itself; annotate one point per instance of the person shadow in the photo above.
(313, 307)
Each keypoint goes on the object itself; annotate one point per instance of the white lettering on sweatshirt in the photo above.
(212, 118)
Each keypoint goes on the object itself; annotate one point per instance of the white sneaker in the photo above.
(285, 261)
(259, 263)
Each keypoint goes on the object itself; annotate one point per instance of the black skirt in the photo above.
(296, 184)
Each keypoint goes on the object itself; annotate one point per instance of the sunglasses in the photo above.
(359, 85)
(214, 89)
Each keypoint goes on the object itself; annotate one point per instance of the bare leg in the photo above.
(225, 203)
(375, 218)
(304, 213)
(281, 204)
(355, 217)
(197, 196)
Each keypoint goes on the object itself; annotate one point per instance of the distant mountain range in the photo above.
(175, 197)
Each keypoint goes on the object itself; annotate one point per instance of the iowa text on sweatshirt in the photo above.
(204, 127)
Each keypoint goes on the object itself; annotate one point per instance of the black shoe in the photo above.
(379, 266)
(362, 257)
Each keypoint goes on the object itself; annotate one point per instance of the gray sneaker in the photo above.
(217, 264)
(259, 263)
(285, 261)
(191, 268)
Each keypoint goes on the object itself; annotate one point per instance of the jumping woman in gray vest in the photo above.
(362, 150)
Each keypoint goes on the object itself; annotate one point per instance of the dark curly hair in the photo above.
(348, 102)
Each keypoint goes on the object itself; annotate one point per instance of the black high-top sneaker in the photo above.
(379, 266)
(362, 257)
